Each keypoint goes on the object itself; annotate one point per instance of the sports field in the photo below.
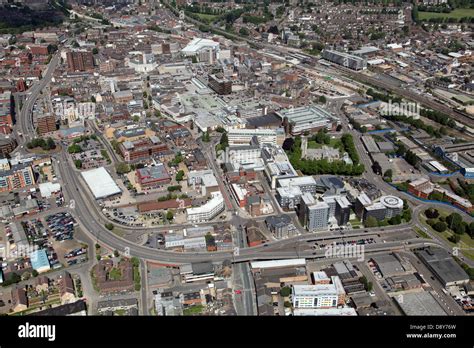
(457, 13)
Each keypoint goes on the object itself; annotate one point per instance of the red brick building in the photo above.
(80, 61)
(142, 149)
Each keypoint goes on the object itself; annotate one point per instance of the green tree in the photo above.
(78, 163)
(206, 137)
(455, 238)
(180, 175)
(169, 215)
(440, 226)
(388, 173)
(109, 226)
(244, 31)
(74, 148)
(122, 168)
(285, 291)
(371, 222)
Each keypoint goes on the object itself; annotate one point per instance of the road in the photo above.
(25, 118)
(244, 302)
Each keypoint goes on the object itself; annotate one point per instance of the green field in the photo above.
(457, 13)
(466, 244)
(335, 143)
(207, 18)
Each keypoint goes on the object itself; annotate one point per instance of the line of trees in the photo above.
(314, 167)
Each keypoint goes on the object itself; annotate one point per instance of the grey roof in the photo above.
(128, 302)
(443, 265)
(202, 267)
(388, 265)
(419, 303)
(278, 221)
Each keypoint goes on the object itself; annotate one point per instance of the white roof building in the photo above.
(207, 211)
(48, 188)
(199, 44)
(100, 183)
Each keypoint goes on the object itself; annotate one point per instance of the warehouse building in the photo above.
(306, 119)
(101, 184)
(443, 266)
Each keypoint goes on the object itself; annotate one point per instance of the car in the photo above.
(237, 292)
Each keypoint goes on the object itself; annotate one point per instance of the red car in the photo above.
(238, 292)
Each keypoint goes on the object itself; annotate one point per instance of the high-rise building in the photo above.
(343, 210)
(361, 202)
(220, 84)
(393, 206)
(313, 214)
(376, 210)
(80, 61)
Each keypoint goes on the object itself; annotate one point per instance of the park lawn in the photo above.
(314, 145)
(466, 243)
(457, 13)
(208, 18)
(335, 143)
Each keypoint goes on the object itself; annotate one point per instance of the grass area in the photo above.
(457, 13)
(421, 233)
(136, 276)
(115, 274)
(120, 312)
(193, 310)
(355, 222)
(208, 18)
(118, 231)
(466, 244)
(335, 143)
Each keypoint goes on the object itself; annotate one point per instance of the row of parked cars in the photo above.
(61, 226)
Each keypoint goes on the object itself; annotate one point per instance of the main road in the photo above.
(25, 119)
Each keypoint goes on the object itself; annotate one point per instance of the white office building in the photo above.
(208, 211)
(240, 136)
(393, 206)
(315, 296)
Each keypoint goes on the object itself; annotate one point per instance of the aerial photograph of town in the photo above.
(206, 158)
